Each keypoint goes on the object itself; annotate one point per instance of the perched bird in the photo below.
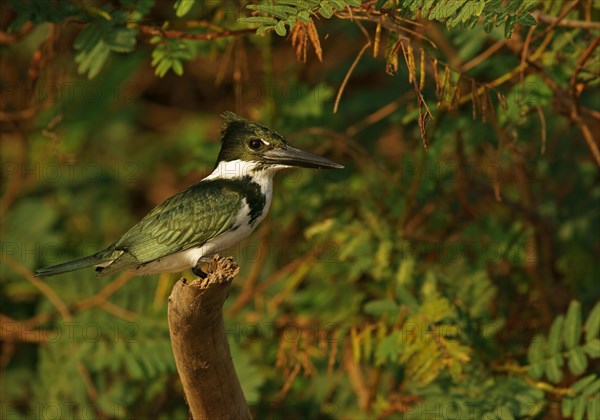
(214, 214)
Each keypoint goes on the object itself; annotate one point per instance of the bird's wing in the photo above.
(188, 219)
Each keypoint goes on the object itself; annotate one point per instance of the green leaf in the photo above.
(504, 413)
(555, 335)
(583, 383)
(338, 4)
(592, 323)
(280, 28)
(91, 61)
(169, 54)
(572, 325)
(182, 7)
(553, 369)
(535, 356)
(591, 389)
(405, 274)
(593, 407)
(566, 407)
(325, 10)
(87, 38)
(354, 3)
(282, 12)
(446, 9)
(304, 16)
(264, 30)
(509, 26)
(177, 67)
(577, 361)
(163, 67)
(527, 5)
(471, 9)
(592, 348)
(579, 408)
(380, 307)
(527, 20)
(387, 349)
(134, 368)
(122, 40)
(263, 20)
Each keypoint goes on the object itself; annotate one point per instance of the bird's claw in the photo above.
(198, 272)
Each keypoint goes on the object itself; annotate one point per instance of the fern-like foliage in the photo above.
(169, 54)
(281, 14)
(468, 13)
(97, 41)
(570, 344)
(109, 31)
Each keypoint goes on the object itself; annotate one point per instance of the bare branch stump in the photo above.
(201, 350)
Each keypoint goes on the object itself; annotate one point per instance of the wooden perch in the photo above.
(202, 355)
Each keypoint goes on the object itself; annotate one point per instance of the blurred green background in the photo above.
(457, 280)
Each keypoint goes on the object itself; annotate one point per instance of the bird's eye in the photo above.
(255, 144)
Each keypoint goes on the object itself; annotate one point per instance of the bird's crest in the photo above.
(231, 120)
(229, 117)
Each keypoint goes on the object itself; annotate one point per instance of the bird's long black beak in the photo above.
(290, 156)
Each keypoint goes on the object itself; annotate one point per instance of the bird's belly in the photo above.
(187, 259)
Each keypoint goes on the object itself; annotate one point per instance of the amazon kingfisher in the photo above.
(214, 214)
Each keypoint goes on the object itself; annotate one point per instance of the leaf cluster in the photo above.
(286, 13)
(571, 342)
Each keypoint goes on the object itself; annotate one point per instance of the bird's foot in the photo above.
(202, 260)
(198, 272)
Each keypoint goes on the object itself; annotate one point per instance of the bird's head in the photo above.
(246, 141)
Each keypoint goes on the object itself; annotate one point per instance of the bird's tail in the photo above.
(53, 270)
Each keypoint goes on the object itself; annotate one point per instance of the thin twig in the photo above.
(556, 22)
(525, 52)
(352, 67)
(119, 312)
(43, 287)
(483, 56)
(357, 380)
(375, 117)
(164, 33)
(389, 24)
(540, 113)
(105, 293)
(566, 23)
(575, 111)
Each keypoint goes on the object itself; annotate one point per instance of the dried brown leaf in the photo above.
(300, 35)
(411, 60)
(442, 96)
(377, 40)
(436, 75)
(299, 38)
(392, 58)
(313, 35)
(422, 69)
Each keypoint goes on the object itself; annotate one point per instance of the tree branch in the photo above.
(566, 23)
(200, 346)
(165, 33)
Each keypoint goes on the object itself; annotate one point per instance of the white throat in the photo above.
(239, 169)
